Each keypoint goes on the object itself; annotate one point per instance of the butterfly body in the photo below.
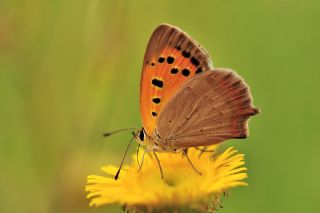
(184, 101)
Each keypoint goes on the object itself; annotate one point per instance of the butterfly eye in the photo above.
(141, 135)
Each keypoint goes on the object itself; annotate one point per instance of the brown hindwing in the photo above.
(208, 109)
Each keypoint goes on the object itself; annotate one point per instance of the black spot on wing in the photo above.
(174, 70)
(199, 70)
(157, 83)
(156, 100)
(161, 59)
(185, 72)
(186, 54)
(194, 61)
(170, 60)
(154, 114)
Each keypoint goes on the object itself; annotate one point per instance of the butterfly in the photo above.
(184, 101)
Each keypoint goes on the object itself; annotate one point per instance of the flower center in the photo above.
(170, 182)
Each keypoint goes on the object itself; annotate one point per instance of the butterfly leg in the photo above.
(158, 161)
(138, 156)
(142, 159)
(203, 150)
(194, 168)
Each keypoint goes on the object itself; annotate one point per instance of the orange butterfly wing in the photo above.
(172, 57)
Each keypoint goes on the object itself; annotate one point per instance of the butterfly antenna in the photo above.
(119, 130)
(125, 154)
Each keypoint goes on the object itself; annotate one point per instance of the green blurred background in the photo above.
(69, 70)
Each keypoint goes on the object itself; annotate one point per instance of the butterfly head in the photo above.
(149, 142)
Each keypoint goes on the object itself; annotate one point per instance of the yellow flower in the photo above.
(181, 186)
